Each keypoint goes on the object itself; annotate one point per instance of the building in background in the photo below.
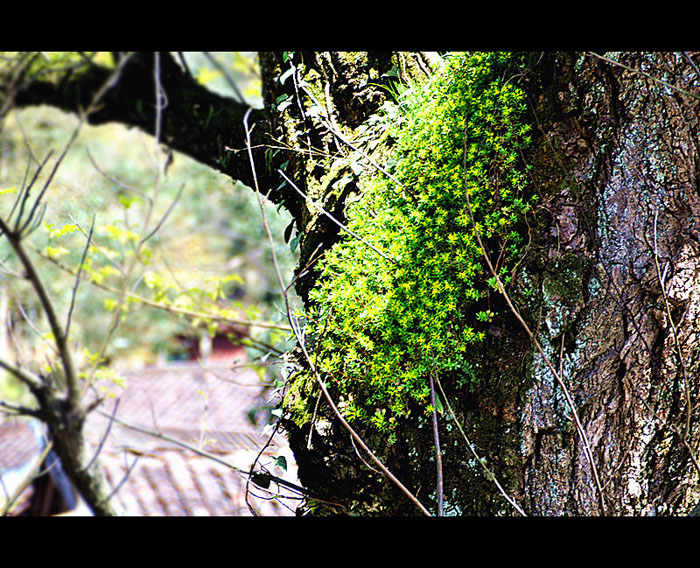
(212, 409)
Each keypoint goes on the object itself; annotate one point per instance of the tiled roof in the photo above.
(172, 482)
(18, 445)
(209, 409)
(19, 451)
(190, 396)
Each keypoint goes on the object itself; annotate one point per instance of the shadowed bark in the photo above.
(204, 125)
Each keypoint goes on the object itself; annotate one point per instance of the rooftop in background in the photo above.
(212, 409)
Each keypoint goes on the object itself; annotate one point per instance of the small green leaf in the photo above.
(281, 461)
(8, 190)
(438, 405)
(67, 229)
(126, 200)
(56, 252)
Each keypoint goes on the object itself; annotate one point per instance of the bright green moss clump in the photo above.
(381, 327)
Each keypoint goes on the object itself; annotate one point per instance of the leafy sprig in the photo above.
(393, 324)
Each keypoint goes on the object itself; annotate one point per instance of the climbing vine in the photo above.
(382, 324)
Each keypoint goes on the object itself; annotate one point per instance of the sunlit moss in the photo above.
(381, 327)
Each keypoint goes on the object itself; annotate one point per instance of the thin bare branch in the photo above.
(327, 214)
(47, 183)
(23, 195)
(106, 434)
(302, 344)
(692, 63)
(329, 123)
(114, 180)
(18, 410)
(516, 313)
(77, 277)
(479, 459)
(123, 480)
(35, 330)
(49, 310)
(194, 314)
(227, 76)
(643, 74)
(438, 451)
(27, 480)
(198, 451)
(165, 215)
(674, 332)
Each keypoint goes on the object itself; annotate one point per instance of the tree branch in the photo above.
(196, 121)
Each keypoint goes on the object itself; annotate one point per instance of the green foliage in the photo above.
(381, 327)
(51, 65)
(186, 265)
(242, 67)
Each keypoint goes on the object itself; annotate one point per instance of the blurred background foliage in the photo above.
(212, 238)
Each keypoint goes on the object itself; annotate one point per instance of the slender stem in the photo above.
(123, 293)
(169, 308)
(327, 214)
(438, 452)
(198, 451)
(27, 377)
(643, 74)
(332, 127)
(27, 480)
(302, 343)
(674, 333)
(47, 305)
(77, 277)
(557, 376)
(481, 461)
(227, 76)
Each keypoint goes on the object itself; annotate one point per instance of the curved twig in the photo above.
(302, 343)
(557, 376)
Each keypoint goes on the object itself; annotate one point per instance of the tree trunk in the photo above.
(613, 263)
(617, 163)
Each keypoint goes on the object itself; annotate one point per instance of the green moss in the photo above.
(302, 389)
(357, 58)
(563, 282)
(383, 323)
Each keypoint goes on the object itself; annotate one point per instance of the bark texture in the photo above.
(614, 264)
(619, 295)
(80, 461)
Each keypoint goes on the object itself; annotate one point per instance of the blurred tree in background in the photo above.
(212, 232)
(115, 248)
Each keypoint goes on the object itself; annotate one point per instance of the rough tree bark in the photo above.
(614, 265)
(617, 161)
(613, 262)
